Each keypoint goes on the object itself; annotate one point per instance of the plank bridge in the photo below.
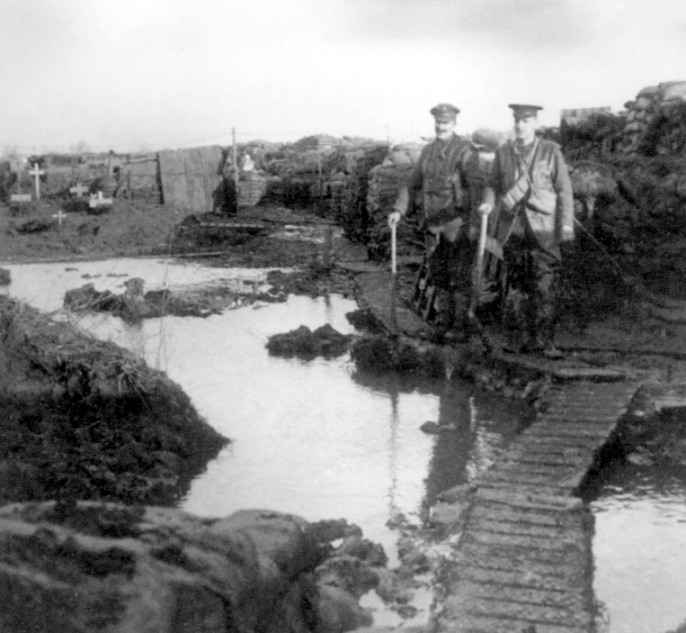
(524, 559)
(523, 562)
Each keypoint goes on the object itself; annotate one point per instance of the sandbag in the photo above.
(675, 91)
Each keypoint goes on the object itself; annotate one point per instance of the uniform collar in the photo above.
(524, 150)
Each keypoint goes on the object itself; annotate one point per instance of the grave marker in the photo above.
(59, 215)
(99, 201)
(78, 189)
(37, 173)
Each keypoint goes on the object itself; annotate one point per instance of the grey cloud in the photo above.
(516, 23)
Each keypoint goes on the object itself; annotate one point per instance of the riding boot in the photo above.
(534, 339)
(452, 320)
(546, 328)
(460, 327)
(444, 310)
(514, 322)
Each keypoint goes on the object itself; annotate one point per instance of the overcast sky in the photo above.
(153, 74)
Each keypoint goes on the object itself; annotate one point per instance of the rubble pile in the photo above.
(95, 567)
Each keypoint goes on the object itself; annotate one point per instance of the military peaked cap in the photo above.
(524, 110)
(445, 111)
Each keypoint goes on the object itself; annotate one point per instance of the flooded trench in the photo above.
(312, 438)
(320, 440)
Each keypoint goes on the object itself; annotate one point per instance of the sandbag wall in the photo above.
(656, 121)
(349, 186)
(385, 181)
(298, 173)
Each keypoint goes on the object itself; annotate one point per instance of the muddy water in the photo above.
(640, 550)
(309, 438)
(318, 440)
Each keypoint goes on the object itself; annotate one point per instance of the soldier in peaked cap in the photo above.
(445, 183)
(534, 216)
(445, 112)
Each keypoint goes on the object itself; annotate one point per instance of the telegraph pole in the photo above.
(235, 166)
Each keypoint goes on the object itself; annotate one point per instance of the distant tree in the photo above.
(80, 148)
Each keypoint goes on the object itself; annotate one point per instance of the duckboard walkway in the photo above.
(524, 559)
(523, 562)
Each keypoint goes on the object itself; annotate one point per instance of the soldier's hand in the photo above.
(394, 218)
(485, 208)
(567, 234)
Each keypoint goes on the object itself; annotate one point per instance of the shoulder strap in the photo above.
(524, 184)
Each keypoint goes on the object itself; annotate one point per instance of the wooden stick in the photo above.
(394, 282)
(479, 267)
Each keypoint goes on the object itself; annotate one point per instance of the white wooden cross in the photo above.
(79, 190)
(59, 215)
(37, 173)
(99, 201)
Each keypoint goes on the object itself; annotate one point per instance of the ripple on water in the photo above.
(640, 551)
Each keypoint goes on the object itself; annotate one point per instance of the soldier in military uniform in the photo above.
(534, 217)
(446, 181)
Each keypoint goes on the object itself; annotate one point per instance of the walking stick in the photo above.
(394, 281)
(478, 282)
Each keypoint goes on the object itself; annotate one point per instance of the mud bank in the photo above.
(84, 419)
(87, 567)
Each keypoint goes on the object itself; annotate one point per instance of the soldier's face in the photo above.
(525, 128)
(444, 128)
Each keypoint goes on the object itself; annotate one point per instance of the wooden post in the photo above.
(319, 182)
(319, 170)
(37, 173)
(235, 168)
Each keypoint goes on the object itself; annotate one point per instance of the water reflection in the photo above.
(316, 439)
